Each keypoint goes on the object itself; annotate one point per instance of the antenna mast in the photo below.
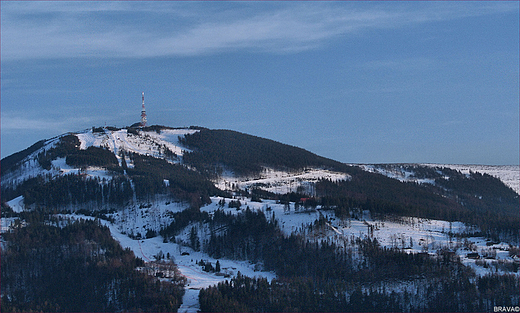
(143, 114)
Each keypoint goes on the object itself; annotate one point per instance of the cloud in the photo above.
(16, 123)
(406, 64)
(33, 30)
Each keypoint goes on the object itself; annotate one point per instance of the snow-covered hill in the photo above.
(161, 143)
(137, 223)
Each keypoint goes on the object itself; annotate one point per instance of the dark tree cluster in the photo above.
(246, 154)
(244, 294)
(55, 265)
(182, 219)
(149, 174)
(92, 156)
(69, 190)
(68, 144)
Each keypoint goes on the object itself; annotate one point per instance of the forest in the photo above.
(72, 191)
(321, 277)
(246, 154)
(55, 264)
(149, 174)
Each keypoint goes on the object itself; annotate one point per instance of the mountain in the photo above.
(377, 234)
(112, 167)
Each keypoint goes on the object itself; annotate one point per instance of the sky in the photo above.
(355, 81)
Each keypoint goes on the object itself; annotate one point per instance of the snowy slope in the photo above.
(414, 235)
(508, 174)
(184, 257)
(29, 167)
(161, 145)
(146, 143)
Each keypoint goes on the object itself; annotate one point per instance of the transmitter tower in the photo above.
(143, 114)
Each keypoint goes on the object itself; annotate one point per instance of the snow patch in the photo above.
(160, 145)
(281, 181)
(17, 204)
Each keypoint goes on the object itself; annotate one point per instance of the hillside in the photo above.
(317, 234)
(217, 150)
(106, 168)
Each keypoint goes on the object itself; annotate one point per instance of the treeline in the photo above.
(58, 265)
(92, 156)
(72, 190)
(383, 194)
(246, 154)
(244, 294)
(321, 276)
(480, 192)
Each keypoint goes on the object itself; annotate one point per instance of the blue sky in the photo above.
(359, 82)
